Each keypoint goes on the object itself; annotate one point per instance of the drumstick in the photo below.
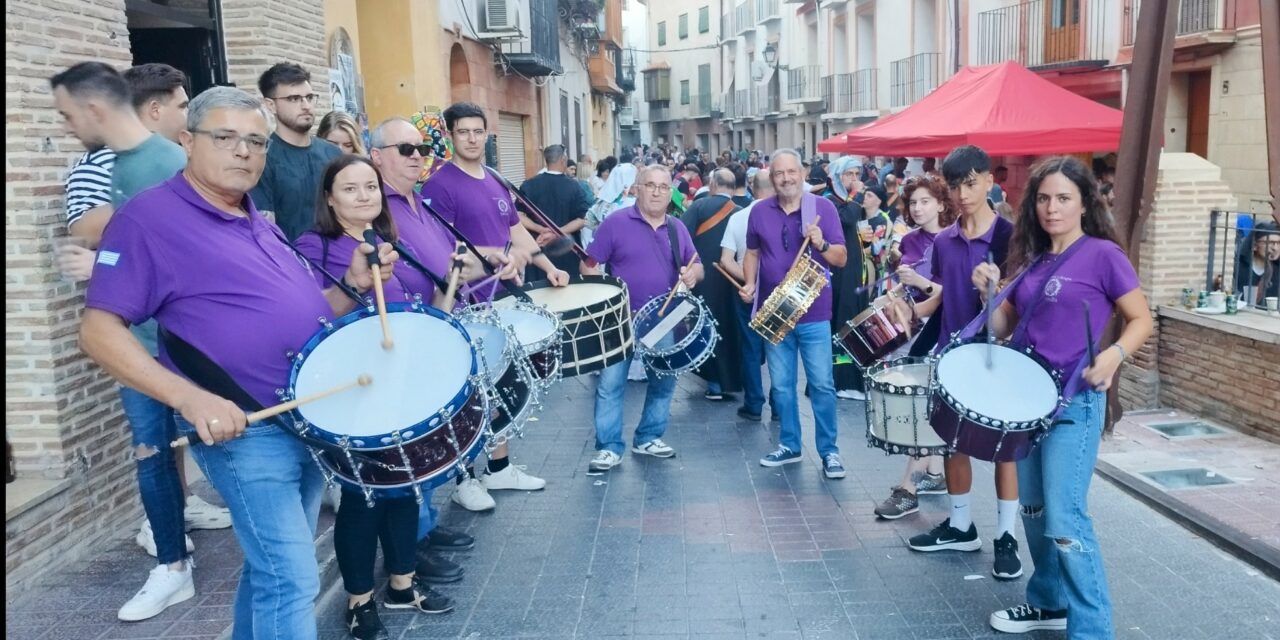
(363, 380)
(374, 265)
(991, 325)
(677, 287)
(1088, 335)
(803, 245)
(726, 275)
(454, 273)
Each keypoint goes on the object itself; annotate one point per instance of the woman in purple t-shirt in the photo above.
(1061, 209)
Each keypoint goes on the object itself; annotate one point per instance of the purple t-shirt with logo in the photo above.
(421, 233)
(640, 255)
(405, 281)
(954, 258)
(482, 209)
(228, 285)
(1099, 273)
(778, 236)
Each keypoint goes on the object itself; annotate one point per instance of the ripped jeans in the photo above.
(1053, 483)
(151, 426)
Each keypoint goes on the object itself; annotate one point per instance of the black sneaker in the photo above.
(436, 570)
(420, 597)
(746, 414)
(1007, 565)
(447, 539)
(946, 537)
(363, 622)
(1024, 618)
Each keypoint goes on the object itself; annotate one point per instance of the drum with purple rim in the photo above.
(874, 334)
(997, 413)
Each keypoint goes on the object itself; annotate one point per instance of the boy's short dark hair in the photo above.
(153, 81)
(93, 79)
(281, 73)
(739, 174)
(460, 110)
(964, 161)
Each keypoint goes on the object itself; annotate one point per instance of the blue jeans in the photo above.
(428, 515)
(1053, 483)
(272, 486)
(812, 342)
(610, 391)
(151, 424)
(752, 354)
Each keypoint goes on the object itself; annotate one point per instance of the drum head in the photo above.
(904, 375)
(1015, 389)
(574, 296)
(530, 328)
(421, 375)
(667, 333)
(495, 343)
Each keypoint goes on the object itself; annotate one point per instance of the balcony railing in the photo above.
(913, 78)
(863, 84)
(828, 92)
(625, 62)
(1194, 16)
(767, 99)
(539, 54)
(742, 21)
(746, 103)
(768, 10)
(1038, 33)
(803, 84)
(659, 113)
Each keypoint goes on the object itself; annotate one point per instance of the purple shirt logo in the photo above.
(1052, 288)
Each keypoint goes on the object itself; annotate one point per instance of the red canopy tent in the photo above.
(1003, 108)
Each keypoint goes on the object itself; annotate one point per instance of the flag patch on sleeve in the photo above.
(109, 258)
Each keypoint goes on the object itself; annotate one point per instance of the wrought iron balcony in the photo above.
(767, 99)
(768, 11)
(659, 112)
(803, 84)
(1195, 17)
(1040, 33)
(625, 62)
(742, 22)
(539, 54)
(856, 92)
(913, 78)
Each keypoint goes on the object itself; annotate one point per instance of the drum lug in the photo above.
(324, 322)
(282, 394)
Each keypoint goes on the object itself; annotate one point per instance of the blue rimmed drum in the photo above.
(422, 418)
(508, 374)
(678, 340)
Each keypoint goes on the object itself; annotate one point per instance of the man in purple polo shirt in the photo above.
(465, 194)
(636, 244)
(195, 254)
(775, 233)
(956, 251)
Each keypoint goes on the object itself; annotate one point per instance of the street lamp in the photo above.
(771, 55)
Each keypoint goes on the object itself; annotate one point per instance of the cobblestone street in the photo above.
(708, 545)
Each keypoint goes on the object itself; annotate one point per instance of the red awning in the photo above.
(1003, 108)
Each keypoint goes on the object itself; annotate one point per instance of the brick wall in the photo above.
(286, 31)
(1221, 376)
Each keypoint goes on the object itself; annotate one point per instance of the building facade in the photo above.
(682, 79)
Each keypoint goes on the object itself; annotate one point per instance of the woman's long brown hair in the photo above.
(1030, 240)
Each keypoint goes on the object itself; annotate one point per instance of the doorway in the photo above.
(1062, 30)
(187, 40)
(1198, 113)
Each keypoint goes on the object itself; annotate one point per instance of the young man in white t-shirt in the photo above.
(732, 250)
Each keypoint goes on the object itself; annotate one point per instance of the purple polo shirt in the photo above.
(954, 257)
(228, 285)
(405, 281)
(640, 255)
(778, 236)
(482, 209)
(1099, 273)
(913, 247)
(421, 233)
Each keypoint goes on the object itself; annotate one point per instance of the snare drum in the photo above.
(789, 301)
(408, 435)
(507, 376)
(596, 316)
(997, 414)
(874, 334)
(538, 334)
(681, 339)
(898, 408)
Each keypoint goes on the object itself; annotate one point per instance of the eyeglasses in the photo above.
(229, 140)
(656, 188)
(468, 133)
(407, 149)
(309, 98)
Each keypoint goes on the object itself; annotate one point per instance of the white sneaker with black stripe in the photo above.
(1024, 618)
(656, 448)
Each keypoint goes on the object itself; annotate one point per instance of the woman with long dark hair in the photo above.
(1062, 220)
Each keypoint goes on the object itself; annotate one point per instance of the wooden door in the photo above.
(1198, 113)
(1061, 30)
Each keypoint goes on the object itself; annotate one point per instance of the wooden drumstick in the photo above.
(803, 245)
(676, 288)
(455, 272)
(363, 380)
(378, 295)
(726, 275)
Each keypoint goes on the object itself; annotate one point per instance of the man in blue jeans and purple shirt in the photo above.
(776, 232)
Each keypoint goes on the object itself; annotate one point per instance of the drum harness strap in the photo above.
(674, 240)
(710, 223)
(488, 268)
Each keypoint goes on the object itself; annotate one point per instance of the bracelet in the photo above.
(825, 245)
(1123, 354)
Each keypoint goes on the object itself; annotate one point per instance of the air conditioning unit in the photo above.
(499, 20)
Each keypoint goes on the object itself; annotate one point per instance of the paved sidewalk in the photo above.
(708, 545)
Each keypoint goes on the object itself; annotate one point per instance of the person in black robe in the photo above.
(848, 283)
(707, 218)
(562, 199)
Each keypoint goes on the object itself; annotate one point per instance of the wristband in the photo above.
(1123, 354)
(825, 245)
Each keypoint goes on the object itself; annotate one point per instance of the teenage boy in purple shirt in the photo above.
(478, 204)
(775, 233)
(636, 244)
(956, 251)
(195, 254)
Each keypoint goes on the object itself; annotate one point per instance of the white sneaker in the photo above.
(851, 394)
(513, 477)
(163, 589)
(604, 461)
(656, 448)
(147, 539)
(202, 515)
(472, 496)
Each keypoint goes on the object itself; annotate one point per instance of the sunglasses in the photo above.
(407, 149)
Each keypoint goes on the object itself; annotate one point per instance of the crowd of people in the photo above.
(201, 220)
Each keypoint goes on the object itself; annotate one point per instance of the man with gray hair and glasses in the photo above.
(195, 254)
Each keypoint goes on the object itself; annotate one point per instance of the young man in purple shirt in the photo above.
(479, 205)
(775, 232)
(636, 244)
(195, 254)
(956, 251)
